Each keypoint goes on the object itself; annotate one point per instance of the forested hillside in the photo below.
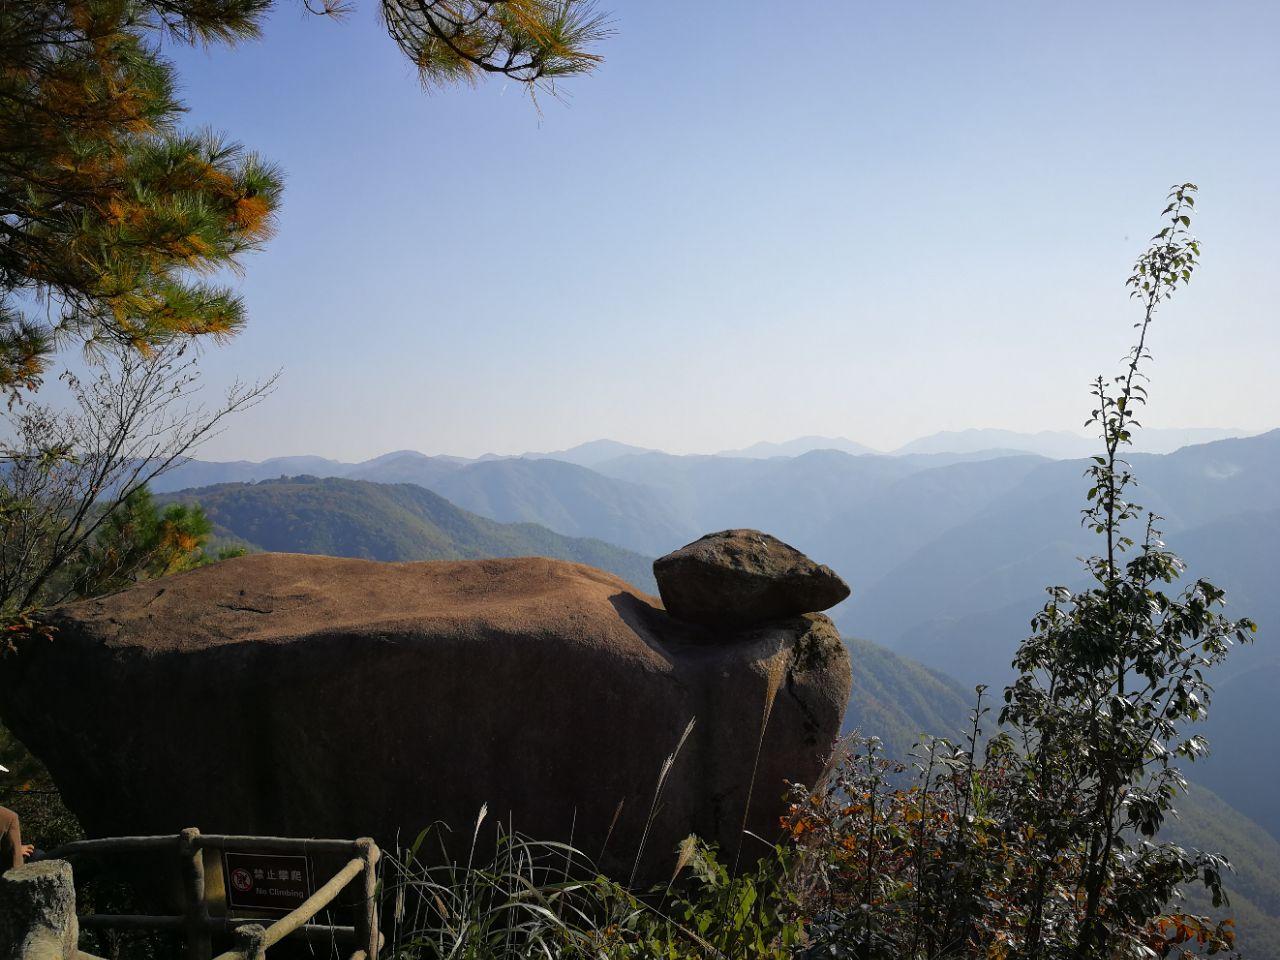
(1207, 822)
(900, 701)
(565, 497)
(356, 518)
(569, 499)
(903, 703)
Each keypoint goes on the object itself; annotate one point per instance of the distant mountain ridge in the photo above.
(588, 454)
(571, 500)
(798, 447)
(1060, 444)
(863, 513)
(948, 554)
(986, 442)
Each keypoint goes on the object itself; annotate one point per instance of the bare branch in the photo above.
(64, 471)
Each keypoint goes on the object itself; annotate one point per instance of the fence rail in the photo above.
(251, 939)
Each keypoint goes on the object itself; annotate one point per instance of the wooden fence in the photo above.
(250, 938)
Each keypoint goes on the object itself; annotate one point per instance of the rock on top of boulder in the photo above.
(340, 697)
(742, 577)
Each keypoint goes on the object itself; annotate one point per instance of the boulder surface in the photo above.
(313, 696)
(740, 577)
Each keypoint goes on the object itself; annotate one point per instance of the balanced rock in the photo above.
(742, 577)
(279, 694)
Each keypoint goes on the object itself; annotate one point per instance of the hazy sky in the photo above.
(757, 220)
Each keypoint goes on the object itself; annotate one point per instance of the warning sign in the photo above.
(263, 881)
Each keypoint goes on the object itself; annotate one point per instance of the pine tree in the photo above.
(112, 218)
(140, 541)
(533, 41)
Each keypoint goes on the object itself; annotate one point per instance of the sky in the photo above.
(755, 221)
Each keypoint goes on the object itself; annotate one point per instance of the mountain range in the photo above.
(793, 448)
(1059, 444)
(942, 549)
(394, 522)
(948, 551)
(985, 443)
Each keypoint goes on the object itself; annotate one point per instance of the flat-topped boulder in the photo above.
(313, 696)
(743, 577)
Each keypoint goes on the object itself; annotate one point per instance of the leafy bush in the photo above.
(953, 866)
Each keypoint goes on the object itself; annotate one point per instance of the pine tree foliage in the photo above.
(113, 218)
(535, 42)
(115, 225)
(140, 541)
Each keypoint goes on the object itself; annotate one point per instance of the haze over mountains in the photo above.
(982, 442)
(793, 448)
(1059, 444)
(948, 545)
(948, 551)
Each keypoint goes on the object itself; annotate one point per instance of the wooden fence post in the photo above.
(367, 934)
(195, 911)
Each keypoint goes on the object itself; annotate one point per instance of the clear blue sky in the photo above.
(755, 221)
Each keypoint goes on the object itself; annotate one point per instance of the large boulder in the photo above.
(313, 696)
(741, 577)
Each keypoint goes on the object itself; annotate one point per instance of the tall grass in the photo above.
(544, 899)
(540, 899)
(529, 899)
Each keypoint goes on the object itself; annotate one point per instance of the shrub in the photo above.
(544, 899)
(1046, 846)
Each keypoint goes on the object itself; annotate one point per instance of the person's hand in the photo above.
(28, 849)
